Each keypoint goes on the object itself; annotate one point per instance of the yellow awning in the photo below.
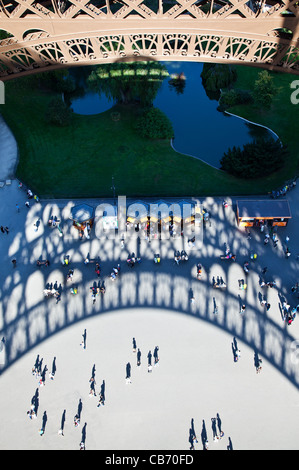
(188, 220)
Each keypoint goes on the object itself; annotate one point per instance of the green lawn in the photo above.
(80, 160)
(282, 117)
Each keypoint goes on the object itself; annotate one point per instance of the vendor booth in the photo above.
(188, 212)
(137, 215)
(257, 213)
(82, 216)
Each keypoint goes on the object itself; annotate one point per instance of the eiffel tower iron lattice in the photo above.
(39, 35)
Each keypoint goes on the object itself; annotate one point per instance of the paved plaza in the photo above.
(196, 378)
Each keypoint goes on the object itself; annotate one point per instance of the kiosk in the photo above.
(257, 213)
(82, 216)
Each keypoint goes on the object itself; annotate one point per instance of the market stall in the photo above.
(137, 215)
(188, 212)
(82, 216)
(257, 213)
(160, 216)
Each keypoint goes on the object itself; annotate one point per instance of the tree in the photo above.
(128, 82)
(58, 113)
(256, 159)
(57, 80)
(154, 124)
(264, 89)
(234, 97)
(218, 76)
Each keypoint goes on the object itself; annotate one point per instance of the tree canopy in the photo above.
(58, 113)
(154, 124)
(264, 89)
(256, 159)
(218, 76)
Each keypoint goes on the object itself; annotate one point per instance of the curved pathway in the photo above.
(8, 152)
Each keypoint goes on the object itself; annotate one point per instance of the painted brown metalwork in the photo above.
(40, 35)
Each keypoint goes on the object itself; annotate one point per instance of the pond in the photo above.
(200, 130)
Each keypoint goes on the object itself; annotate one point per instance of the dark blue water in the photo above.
(200, 129)
(91, 103)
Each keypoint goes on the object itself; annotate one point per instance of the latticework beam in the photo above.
(46, 34)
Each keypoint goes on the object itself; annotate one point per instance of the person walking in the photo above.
(237, 355)
(2, 229)
(102, 289)
(83, 342)
(149, 361)
(287, 253)
(258, 367)
(92, 391)
(97, 269)
(243, 308)
(6, 230)
(76, 420)
(101, 401)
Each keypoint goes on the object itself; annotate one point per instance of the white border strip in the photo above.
(254, 123)
(193, 156)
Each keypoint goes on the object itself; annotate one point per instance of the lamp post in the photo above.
(113, 189)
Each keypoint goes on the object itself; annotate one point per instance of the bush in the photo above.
(233, 97)
(154, 124)
(256, 159)
(264, 89)
(58, 112)
(57, 80)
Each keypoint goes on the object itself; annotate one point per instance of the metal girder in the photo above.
(49, 33)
